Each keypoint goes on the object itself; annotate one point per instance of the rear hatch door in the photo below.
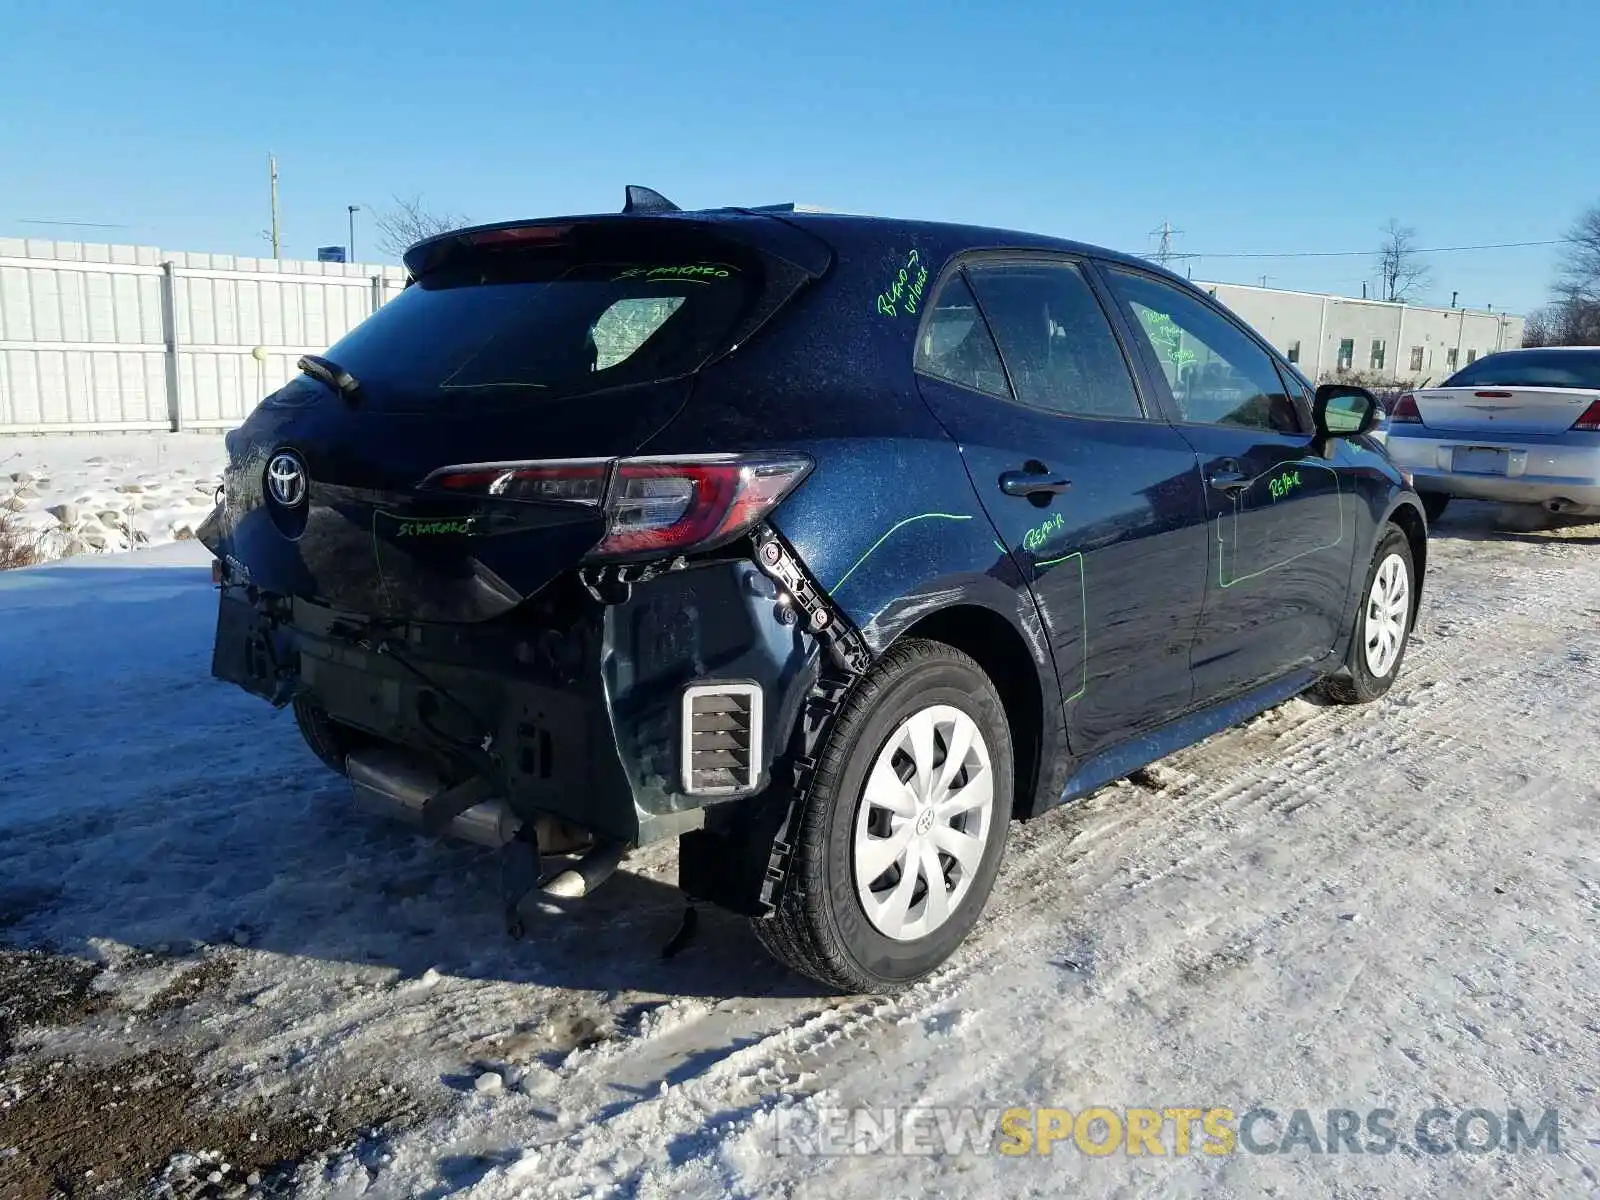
(570, 340)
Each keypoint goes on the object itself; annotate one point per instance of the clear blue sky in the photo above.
(1250, 125)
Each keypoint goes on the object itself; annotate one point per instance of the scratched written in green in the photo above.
(433, 528)
(696, 271)
(1283, 484)
(904, 293)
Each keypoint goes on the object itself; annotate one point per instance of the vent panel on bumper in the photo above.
(721, 738)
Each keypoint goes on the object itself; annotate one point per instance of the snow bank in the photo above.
(91, 494)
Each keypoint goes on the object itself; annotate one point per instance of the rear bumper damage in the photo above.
(617, 713)
(589, 720)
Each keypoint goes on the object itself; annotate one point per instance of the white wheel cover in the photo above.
(922, 822)
(1388, 611)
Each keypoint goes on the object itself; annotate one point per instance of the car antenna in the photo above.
(643, 199)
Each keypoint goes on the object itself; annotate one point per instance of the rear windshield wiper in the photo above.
(330, 373)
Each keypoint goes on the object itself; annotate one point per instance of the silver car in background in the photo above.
(1520, 427)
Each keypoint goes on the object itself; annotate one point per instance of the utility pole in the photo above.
(272, 171)
(352, 210)
(1164, 252)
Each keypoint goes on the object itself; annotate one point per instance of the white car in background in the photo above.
(1520, 426)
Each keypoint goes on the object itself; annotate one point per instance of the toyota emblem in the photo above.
(286, 479)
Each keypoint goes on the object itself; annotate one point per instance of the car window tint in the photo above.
(955, 343)
(1055, 339)
(1216, 374)
(1300, 394)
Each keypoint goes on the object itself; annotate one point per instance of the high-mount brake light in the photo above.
(521, 235)
(653, 506)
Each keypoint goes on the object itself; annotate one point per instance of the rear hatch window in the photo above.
(518, 325)
(1532, 369)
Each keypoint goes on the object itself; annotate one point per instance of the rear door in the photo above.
(1097, 504)
(1282, 518)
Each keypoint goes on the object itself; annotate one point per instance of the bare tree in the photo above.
(1400, 265)
(1539, 327)
(409, 221)
(1579, 276)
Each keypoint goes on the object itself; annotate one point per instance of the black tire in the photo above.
(328, 740)
(821, 927)
(1433, 503)
(1361, 685)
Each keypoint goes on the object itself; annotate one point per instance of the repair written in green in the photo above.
(1283, 484)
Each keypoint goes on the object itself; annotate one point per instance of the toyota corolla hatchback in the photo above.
(825, 545)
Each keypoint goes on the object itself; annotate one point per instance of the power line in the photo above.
(1364, 253)
(77, 224)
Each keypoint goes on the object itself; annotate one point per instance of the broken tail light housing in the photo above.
(1405, 411)
(654, 506)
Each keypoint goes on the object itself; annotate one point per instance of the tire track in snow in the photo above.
(1120, 840)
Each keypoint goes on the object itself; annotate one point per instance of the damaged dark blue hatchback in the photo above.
(827, 545)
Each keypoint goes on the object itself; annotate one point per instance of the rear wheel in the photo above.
(1383, 624)
(1433, 503)
(901, 834)
(328, 740)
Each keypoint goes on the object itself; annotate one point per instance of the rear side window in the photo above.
(521, 327)
(1532, 368)
(1055, 339)
(955, 344)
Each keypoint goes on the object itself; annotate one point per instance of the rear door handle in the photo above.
(1228, 478)
(1032, 483)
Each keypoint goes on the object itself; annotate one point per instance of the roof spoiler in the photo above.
(637, 199)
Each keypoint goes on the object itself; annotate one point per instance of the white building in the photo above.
(1376, 340)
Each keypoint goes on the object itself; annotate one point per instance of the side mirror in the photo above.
(1341, 410)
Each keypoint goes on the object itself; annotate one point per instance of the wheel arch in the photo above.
(1406, 514)
(1001, 651)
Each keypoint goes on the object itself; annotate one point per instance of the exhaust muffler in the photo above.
(389, 784)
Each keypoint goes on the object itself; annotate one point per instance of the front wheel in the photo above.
(900, 836)
(1383, 624)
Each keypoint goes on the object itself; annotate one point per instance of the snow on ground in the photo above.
(88, 493)
(1385, 907)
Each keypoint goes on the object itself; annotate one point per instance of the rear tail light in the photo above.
(1405, 411)
(1590, 419)
(653, 506)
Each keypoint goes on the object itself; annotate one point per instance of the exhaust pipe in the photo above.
(588, 873)
(390, 785)
(1560, 504)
